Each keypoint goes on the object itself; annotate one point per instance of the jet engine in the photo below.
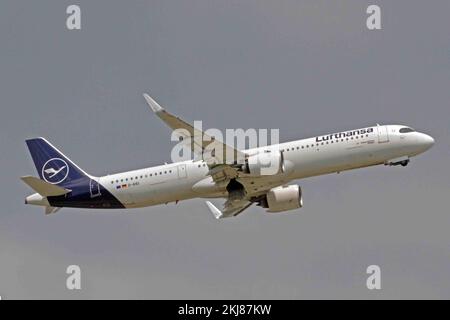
(267, 162)
(283, 198)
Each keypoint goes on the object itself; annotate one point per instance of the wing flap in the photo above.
(223, 172)
(231, 208)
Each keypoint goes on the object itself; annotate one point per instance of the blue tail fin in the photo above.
(53, 166)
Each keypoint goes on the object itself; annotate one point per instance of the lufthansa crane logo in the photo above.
(55, 171)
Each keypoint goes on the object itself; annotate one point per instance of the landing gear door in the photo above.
(383, 135)
(94, 187)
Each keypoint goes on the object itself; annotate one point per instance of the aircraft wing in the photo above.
(231, 208)
(217, 152)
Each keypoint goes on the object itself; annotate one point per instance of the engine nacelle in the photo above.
(284, 198)
(264, 163)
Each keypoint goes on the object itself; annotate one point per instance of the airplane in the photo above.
(62, 183)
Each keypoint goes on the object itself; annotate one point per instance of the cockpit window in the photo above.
(406, 129)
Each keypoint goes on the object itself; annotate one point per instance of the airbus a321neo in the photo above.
(62, 183)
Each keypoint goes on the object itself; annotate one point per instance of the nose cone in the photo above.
(426, 141)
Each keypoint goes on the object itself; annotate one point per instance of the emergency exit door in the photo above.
(182, 171)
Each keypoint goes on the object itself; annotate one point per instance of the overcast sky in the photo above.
(305, 67)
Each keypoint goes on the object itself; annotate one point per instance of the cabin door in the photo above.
(383, 135)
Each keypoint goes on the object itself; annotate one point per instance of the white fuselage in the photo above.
(307, 157)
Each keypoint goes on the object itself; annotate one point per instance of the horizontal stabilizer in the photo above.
(44, 188)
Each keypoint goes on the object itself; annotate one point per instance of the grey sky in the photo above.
(306, 67)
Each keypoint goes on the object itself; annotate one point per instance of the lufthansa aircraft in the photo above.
(62, 183)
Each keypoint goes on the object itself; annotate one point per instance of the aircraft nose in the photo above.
(426, 140)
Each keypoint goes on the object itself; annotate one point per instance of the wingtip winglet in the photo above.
(216, 212)
(152, 103)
